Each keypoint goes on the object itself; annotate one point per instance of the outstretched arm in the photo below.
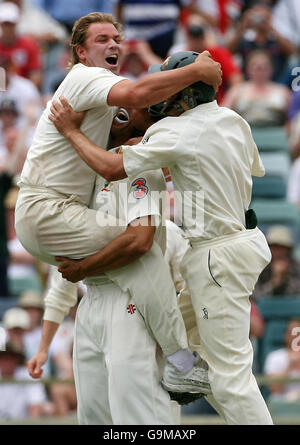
(156, 87)
(108, 165)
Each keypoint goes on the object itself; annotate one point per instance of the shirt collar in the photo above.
(205, 107)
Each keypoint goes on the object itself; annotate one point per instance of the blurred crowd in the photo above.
(257, 44)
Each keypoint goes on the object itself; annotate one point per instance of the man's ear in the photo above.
(80, 50)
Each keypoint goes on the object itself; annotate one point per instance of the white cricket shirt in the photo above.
(52, 162)
(128, 199)
(211, 156)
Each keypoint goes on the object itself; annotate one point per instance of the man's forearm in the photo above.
(48, 332)
(120, 252)
(108, 165)
(156, 87)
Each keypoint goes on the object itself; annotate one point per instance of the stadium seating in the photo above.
(273, 187)
(277, 211)
(271, 139)
(276, 311)
(277, 163)
(20, 285)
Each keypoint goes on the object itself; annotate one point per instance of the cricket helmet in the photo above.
(193, 95)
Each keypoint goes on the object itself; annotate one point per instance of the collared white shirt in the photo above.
(211, 156)
(52, 162)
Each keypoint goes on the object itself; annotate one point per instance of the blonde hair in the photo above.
(80, 30)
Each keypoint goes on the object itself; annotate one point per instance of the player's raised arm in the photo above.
(154, 88)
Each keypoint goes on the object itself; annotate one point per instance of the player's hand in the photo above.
(210, 72)
(34, 365)
(64, 117)
(71, 270)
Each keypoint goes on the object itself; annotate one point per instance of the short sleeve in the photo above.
(258, 168)
(159, 148)
(93, 85)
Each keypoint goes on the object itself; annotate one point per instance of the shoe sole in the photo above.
(204, 389)
(184, 398)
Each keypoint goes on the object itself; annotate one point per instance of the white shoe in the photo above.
(193, 381)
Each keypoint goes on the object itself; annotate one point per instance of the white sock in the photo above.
(183, 360)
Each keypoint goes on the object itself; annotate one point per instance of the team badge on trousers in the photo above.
(131, 309)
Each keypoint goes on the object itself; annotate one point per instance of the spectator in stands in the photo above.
(255, 31)
(16, 322)
(5, 184)
(259, 100)
(199, 37)
(218, 13)
(35, 22)
(8, 115)
(294, 123)
(20, 90)
(286, 20)
(18, 401)
(155, 21)
(285, 362)
(51, 36)
(7, 171)
(22, 270)
(282, 276)
(23, 51)
(66, 13)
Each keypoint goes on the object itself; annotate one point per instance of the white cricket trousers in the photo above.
(221, 275)
(117, 366)
(48, 224)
